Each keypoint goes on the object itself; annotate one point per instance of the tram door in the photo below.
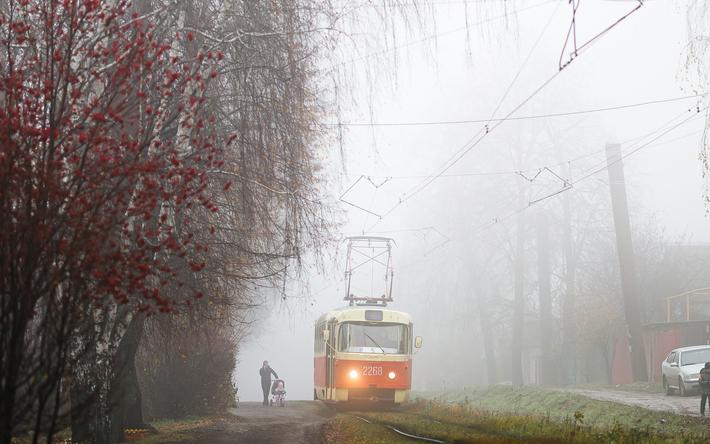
(330, 362)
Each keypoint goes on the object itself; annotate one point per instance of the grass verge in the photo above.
(458, 423)
(573, 412)
(504, 414)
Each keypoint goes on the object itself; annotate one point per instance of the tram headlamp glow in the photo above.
(391, 375)
(353, 374)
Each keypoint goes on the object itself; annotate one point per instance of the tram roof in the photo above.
(357, 313)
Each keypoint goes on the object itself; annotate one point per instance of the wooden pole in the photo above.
(627, 261)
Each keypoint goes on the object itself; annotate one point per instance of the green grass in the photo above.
(503, 414)
(558, 407)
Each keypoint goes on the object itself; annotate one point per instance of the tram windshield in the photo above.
(373, 337)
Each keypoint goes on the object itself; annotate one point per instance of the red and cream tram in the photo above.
(364, 353)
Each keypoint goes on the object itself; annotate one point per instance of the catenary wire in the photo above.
(529, 117)
(478, 137)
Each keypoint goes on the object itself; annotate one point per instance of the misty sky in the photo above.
(464, 75)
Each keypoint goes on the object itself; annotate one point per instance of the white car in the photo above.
(681, 368)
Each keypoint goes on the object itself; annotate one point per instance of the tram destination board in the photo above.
(373, 315)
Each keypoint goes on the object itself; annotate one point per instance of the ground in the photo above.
(299, 422)
(490, 415)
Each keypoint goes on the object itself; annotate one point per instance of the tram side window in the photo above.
(318, 343)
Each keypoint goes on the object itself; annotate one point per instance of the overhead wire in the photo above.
(668, 124)
(643, 146)
(589, 173)
(592, 40)
(529, 117)
(492, 173)
(656, 134)
(477, 139)
(481, 134)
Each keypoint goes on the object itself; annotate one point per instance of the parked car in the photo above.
(681, 368)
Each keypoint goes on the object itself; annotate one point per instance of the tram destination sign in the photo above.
(373, 315)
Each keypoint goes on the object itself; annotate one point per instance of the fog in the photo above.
(455, 230)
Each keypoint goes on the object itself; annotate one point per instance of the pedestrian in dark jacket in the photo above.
(704, 382)
(265, 371)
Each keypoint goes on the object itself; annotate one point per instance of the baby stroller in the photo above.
(278, 393)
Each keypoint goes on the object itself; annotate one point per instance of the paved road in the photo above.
(689, 405)
(298, 423)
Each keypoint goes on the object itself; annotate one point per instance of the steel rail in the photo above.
(400, 432)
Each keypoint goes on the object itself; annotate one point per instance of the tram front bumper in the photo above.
(383, 395)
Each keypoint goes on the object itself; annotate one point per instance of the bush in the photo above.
(185, 368)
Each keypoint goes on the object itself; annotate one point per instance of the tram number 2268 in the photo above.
(371, 370)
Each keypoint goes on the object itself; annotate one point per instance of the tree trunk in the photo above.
(569, 331)
(547, 366)
(627, 262)
(11, 358)
(488, 349)
(516, 346)
(125, 400)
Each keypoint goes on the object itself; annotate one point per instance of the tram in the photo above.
(363, 352)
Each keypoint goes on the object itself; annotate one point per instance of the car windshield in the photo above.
(695, 357)
(372, 337)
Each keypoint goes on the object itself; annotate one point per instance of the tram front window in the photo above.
(372, 337)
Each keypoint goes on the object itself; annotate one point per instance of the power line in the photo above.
(645, 145)
(500, 172)
(660, 132)
(529, 117)
(573, 33)
(595, 171)
(463, 151)
(567, 183)
(476, 139)
(670, 123)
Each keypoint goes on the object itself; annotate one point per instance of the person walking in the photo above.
(704, 382)
(265, 371)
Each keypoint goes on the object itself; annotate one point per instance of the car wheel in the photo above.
(666, 387)
(681, 388)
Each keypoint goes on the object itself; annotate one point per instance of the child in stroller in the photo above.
(278, 393)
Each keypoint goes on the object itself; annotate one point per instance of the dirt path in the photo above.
(298, 423)
(654, 401)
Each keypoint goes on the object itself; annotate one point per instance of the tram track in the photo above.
(416, 425)
(400, 432)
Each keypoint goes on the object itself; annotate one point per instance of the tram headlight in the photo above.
(391, 375)
(353, 374)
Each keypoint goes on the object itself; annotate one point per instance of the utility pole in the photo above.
(627, 261)
(569, 331)
(544, 300)
(516, 346)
